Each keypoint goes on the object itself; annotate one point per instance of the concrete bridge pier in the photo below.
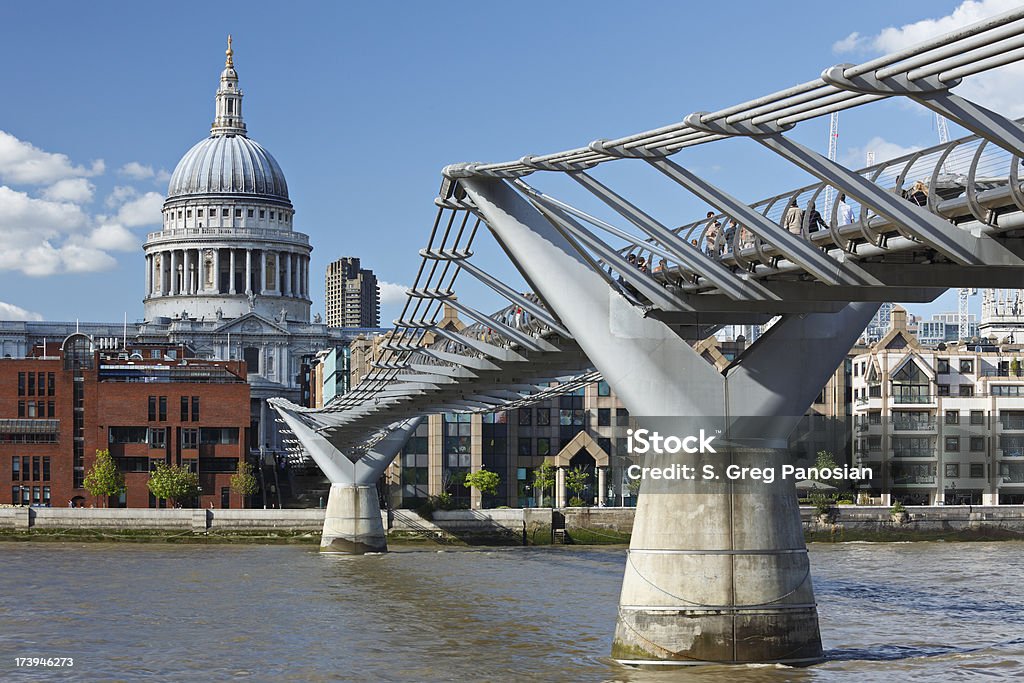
(353, 524)
(717, 570)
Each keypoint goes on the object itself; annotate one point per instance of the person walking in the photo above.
(814, 221)
(845, 211)
(794, 219)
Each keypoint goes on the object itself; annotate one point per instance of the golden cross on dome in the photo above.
(229, 62)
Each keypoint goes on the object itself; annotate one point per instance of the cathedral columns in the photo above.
(174, 272)
(216, 271)
(248, 271)
(231, 266)
(200, 271)
(149, 275)
(288, 273)
(263, 271)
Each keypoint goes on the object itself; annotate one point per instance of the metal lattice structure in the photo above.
(892, 251)
(713, 573)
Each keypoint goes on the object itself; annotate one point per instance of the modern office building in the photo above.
(353, 299)
(145, 403)
(940, 424)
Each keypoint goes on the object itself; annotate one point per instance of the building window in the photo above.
(621, 417)
(21, 384)
(942, 366)
(15, 495)
(263, 213)
(199, 213)
(952, 470)
(50, 384)
(224, 213)
(977, 417)
(31, 384)
(188, 214)
(967, 390)
(238, 213)
(184, 408)
(543, 447)
(875, 418)
(152, 409)
(31, 405)
(25, 468)
(543, 416)
(952, 417)
(163, 408)
(943, 390)
(952, 444)
(603, 389)
(249, 213)
(604, 417)
(51, 409)
(21, 409)
(967, 366)
(36, 500)
(525, 417)
(195, 409)
(46, 468)
(157, 437)
(15, 468)
(189, 438)
(525, 447)
(35, 468)
(977, 470)
(977, 444)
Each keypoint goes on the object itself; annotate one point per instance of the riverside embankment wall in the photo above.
(582, 525)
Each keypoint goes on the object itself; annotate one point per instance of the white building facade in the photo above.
(940, 425)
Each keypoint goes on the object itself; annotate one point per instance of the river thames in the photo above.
(902, 611)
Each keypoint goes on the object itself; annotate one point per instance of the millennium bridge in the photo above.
(716, 571)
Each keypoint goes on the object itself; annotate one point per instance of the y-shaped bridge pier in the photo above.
(717, 571)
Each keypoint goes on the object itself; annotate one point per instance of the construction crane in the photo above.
(964, 293)
(833, 149)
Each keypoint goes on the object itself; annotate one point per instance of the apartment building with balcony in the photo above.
(939, 424)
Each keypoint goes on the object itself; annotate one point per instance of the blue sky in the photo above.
(363, 104)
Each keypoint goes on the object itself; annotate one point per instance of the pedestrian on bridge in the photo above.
(794, 219)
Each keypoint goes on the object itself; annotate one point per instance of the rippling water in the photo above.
(905, 611)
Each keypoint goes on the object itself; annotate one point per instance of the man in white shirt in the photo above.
(845, 211)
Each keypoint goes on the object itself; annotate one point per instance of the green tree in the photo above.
(174, 482)
(483, 480)
(243, 482)
(104, 478)
(576, 480)
(1014, 368)
(543, 480)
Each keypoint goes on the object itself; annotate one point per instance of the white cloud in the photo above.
(856, 157)
(144, 210)
(390, 293)
(112, 237)
(22, 213)
(75, 190)
(137, 171)
(997, 89)
(162, 176)
(120, 195)
(12, 312)
(24, 163)
(850, 43)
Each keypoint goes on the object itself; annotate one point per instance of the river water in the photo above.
(903, 611)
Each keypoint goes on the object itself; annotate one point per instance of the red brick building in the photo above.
(146, 404)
